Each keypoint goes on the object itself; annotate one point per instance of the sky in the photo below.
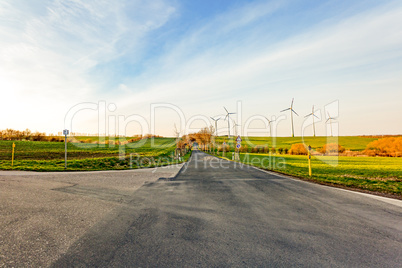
(136, 67)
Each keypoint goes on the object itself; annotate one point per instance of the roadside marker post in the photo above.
(65, 133)
(237, 155)
(309, 160)
(12, 157)
(223, 148)
(238, 145)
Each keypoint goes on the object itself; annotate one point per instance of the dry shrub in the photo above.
(11, 134)
(390, 146)
(149, 136)
(227, 148)
(87, 141)
(38, 136)
(351, 153)
(332, 148)
(298, 149)
(134, 139)
(55, 139)
(244, 149)
(73, 140)
(259, 149)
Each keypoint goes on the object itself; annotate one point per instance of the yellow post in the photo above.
(12, 157)
(309, 160)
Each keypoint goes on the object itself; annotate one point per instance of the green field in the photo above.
(379, 174)
(44, 156)
(353, 143)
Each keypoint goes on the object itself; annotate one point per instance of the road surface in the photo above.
(42, 214)
(216, 213)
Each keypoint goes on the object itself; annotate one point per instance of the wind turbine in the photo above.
(216, 125)
(313, 114)
(228, 117)
(269, 123)
(291, 115)
(235, 127)
(330, 122)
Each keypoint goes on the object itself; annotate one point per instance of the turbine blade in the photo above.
(285, 109)
(225, 109)
(295, 112)
(292, 102)
(212, 118)
(308, 115)
(316, 116)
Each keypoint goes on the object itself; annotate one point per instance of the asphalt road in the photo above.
(216, 213)
(42, 214)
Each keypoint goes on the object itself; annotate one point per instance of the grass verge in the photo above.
(371, 174)
(49, 156)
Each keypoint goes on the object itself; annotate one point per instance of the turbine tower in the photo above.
(312, 114)
(228, 117)
(216, 125)
(291, 115)
(330, 122)
(235, 127)
(269, 123)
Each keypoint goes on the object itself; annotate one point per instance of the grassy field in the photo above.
(353, 143)
(378, 174)
(46, 156)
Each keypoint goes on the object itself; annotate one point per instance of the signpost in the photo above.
(238, 145)
(12, 157)
(309, 160)
(65, 133)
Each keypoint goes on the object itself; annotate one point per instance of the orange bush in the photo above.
(391, 146)
(298, 149)
(257, 149)
(332, 148)
(227, 148)
(243, 149)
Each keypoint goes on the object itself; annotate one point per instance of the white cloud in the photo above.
(48, 51)
(355, 50)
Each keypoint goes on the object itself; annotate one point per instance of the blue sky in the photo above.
(201, 56)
